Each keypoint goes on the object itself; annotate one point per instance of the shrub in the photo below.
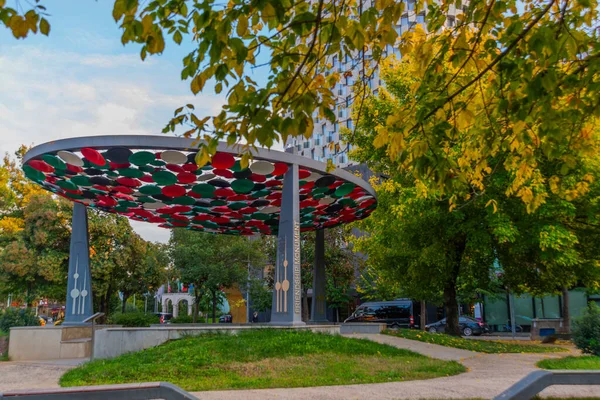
(134, 319)
(17, 317)
(186, 319)
(586, 331)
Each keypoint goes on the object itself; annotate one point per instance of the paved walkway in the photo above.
(15, 375)
(488, 375)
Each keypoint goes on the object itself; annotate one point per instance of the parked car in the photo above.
(164, 317)
(468, 326)
(396, 314)
(225, 319)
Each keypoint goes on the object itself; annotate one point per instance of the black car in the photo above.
(225, 319)
(396, 314)
(164, 317)
(468, 326)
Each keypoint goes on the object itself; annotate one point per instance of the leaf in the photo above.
(177, 37)
(242, 26)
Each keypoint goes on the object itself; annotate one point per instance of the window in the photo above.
(421, 19)
(349, 124)
(312, 154)
(348, 81)
(342, 158)
(335, 127)
(341, 112)
(450, 21)
(347, 101)
(323, 129)
(404, 20)
(299, 147)
(307, 144)
(411, 5)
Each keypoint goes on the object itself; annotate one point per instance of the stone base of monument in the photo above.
(37, 343)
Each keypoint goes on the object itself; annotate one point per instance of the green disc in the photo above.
(131, 172)
(81, 180)
(261, 193)
(209, 224)
(347, 202)
(204, 189)
(344, 189)
(150, 190)
(56, 162)
(242, 186)
(184, 200)
(261, 216)
(319, 190)
(147, 168)
(218, 203)
(59, 172)
(142, 158)
(202, 210)
(237, 205)
(121, 208)
(127, 203)
(113, 174)
(164, 178)
(158, 163)
(306, 225)
(207, 167)
(97, 191)
(67, 185)
(237, 167)
(318, 196)
(308, 209)
(74, 195)
(33, 173)
(146, 199)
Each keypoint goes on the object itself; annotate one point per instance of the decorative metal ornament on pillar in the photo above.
(319, 308)
(287, 296)
(79, 287)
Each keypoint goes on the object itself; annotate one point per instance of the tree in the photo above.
(541, 249)
(212, 262)
(510, 78)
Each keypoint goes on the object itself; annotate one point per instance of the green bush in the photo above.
(586, 331)
(134, 319)
(17, 317)
(186, 319)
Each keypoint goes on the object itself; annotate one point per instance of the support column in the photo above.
(287, 296)
(175, 309)
(79, 285)
(319, 308)
(190, 308)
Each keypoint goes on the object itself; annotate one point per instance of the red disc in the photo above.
(147, 179)
(93, 156)
(273, 182)
(258, 178)
(280, 169)
(186, 177)
(221, 220)
(123, 189)
(114, 165)
(303, 174)
(190, 167)
(248, 210)
(223, 160)
(41, 166)
(181, 209)
(129, 181)
(74, 168)
(221, 209)
(224, 192)
(225, 173)
(173, 191)
(175, 168)
(203, 217)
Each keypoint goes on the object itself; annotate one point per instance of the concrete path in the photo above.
(488, 375)
(15, 375)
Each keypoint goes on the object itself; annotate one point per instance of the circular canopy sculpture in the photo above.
(156, 179)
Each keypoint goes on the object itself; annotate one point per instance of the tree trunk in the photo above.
(565, 310)
(451, 306)
(423, 316)
(305, 305)
(124, 304)
(214, 306)
(196, 304)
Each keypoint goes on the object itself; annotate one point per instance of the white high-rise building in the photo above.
(319, 146)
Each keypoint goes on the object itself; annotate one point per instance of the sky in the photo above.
(81, 81)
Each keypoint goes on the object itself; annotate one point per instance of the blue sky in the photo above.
(81, 81)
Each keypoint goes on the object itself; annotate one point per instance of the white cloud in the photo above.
(48, 95)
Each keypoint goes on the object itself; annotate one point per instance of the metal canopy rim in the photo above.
(160, 142)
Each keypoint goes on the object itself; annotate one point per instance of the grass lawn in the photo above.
(572, 362)
(263, 358)
(483, 346)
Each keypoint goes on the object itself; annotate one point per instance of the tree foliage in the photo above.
(212, 262)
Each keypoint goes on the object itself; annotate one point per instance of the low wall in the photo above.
(113, 342)
(51, 342)
(348, 328)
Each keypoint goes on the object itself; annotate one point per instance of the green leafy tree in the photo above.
(212, 262)
(515, 79)
(260, 295)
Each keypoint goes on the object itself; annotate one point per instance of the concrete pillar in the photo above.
(189, 308)
(319, 308)
(287, 296)
(79, 285)
(175, 309)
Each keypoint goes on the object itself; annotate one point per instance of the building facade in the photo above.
(325, 144)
